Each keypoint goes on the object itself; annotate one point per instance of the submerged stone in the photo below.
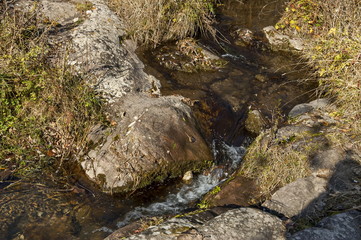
(237, 191)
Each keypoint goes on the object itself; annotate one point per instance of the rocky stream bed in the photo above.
(189, 109)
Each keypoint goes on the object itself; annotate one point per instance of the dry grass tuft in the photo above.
(150, 22)
(274, 165)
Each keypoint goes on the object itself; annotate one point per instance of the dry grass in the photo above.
(150, 22)
(274, 165)
(44, 109)
(331, 30)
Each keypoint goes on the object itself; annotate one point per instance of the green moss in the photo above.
(215, 190)
(190, 213)
(203, 205)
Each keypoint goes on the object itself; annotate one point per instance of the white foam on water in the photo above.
(235, 154)
(234, 57)
(176, 202)
(232, 154)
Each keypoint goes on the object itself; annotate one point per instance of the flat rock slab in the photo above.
(287, 132)
(153, 138)
(320, 103)
(242, 223)
(294, 198)
(338, 227)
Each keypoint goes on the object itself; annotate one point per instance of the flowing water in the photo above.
(252, 76)
(181, 198)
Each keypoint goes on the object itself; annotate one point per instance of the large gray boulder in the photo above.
(153, 138)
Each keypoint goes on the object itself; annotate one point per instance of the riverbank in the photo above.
(312, 159)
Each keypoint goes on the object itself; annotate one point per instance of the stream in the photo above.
(251, 77)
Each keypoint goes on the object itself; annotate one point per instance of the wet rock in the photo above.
(280, 41)
(293, 198)
(255, 122)
(154, 138)
(243, 223)
(338, 227)
(244, 36)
